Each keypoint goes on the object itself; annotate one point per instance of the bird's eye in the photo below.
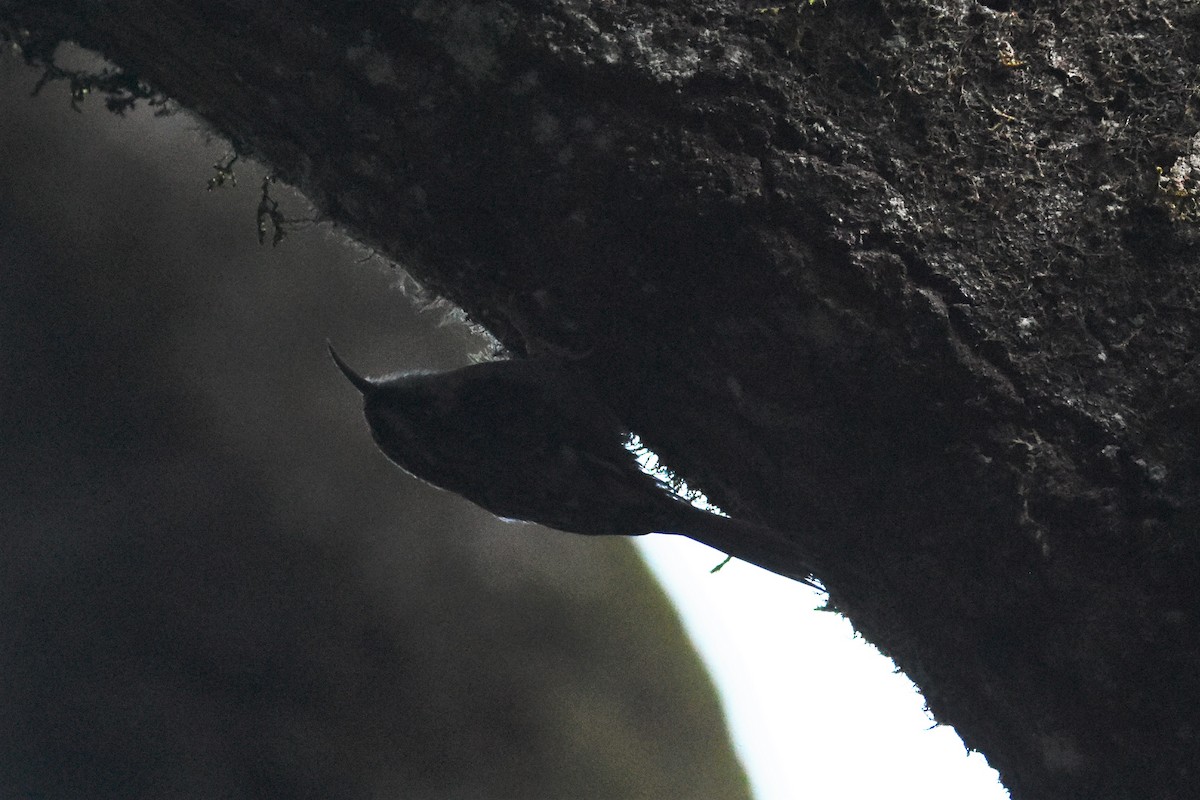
(395, 421)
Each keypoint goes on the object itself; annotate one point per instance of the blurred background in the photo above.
(212, 585)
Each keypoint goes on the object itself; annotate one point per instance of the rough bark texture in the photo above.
(197, 603)
(919, 275)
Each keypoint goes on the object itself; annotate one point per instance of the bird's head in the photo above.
(402, 412)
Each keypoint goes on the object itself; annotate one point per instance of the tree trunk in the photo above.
(917, 275)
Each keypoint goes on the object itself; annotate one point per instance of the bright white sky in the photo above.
(815, 712)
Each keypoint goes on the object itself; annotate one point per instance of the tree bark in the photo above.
(919, 276)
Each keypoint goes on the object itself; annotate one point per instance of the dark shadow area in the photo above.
(212, 585)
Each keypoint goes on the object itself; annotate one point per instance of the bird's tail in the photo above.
(791, 555)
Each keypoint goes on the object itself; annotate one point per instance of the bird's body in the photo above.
(527, 440)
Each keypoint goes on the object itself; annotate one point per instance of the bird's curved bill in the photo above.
(363, 384)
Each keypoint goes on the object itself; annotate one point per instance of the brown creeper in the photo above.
(525, 440)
